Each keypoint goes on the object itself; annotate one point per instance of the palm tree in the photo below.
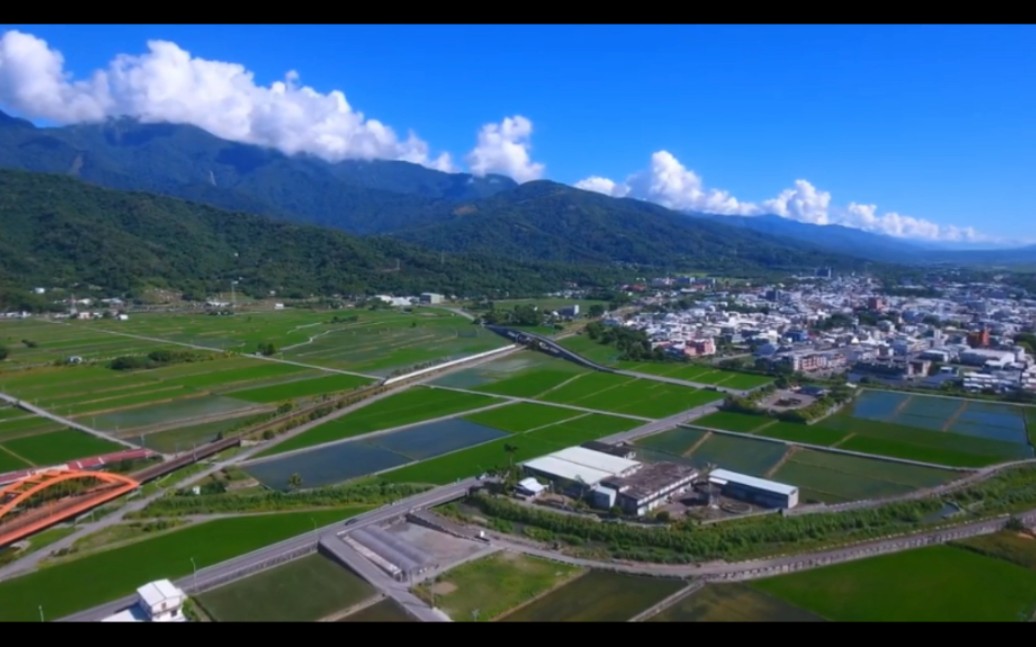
(295, 481)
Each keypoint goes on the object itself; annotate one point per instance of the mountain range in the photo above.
(538, 221)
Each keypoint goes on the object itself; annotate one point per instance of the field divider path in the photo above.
(3, 448)
(558, 386)
(956, 414)
(159, 340)
(698, 443)
(307, 342)
(661, 606)
(43, 413)
(355, 608)
(573, 407)
(794, 449)
(373, 434)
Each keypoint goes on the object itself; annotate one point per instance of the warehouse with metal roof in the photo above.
(751, 489)
(577, 469)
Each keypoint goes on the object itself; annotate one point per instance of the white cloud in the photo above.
(670, 184)
(168, 84)
(504, 148)
(603, 185)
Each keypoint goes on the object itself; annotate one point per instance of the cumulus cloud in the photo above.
(168, 84)
(603, 185)
(504, 148)
(669, 183)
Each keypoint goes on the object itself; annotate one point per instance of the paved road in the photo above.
(771, 566)
(661, 425)
(398, 591)
(43, 413)
(219, 573)
(224, 350)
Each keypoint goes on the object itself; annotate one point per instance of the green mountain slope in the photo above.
(61, 232)
(549, 221)
(362, 197)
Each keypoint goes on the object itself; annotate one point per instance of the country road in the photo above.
(776, 565)
(229, 570)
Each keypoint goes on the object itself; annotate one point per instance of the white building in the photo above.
(755, 490)
(578, 468)
(160, 601)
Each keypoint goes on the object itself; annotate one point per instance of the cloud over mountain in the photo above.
(669, 183)
(168, 84)
(505, 148)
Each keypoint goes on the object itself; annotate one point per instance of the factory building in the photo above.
(431, 298)
(750, 489)
(648, 488)
(577, 470)
(622, 451)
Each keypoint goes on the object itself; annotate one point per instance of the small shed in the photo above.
(530, 487)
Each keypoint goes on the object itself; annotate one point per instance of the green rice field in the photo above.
(525, 362)
(287, 391)
(59, 447)
(489, 587)
(523, 416)
(303, 590)
(598, 596)
(184, 438)
(933, 584)
(72, 586)
(410, 406)
(388, 610)
(700, 447)
(733, 603)
(619, 394)
(836, 478)
(129, 421)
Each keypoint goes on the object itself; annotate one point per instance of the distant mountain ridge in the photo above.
(360, 197)
(444, 211)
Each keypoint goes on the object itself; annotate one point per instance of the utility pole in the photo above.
(195, 567)
(41, 614)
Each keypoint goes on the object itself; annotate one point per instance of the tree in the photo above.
(596, 310)
(295, 481)
(1014, 524)
(3, 353)
(267, 349)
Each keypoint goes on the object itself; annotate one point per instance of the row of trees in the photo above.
(1009, 492)
(213, 501)
(633, 345)
(157, 359)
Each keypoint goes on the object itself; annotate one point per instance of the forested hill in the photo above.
(357, 196)
(61, 232)
(550, 221)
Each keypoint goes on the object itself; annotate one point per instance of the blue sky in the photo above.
(934, 125)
